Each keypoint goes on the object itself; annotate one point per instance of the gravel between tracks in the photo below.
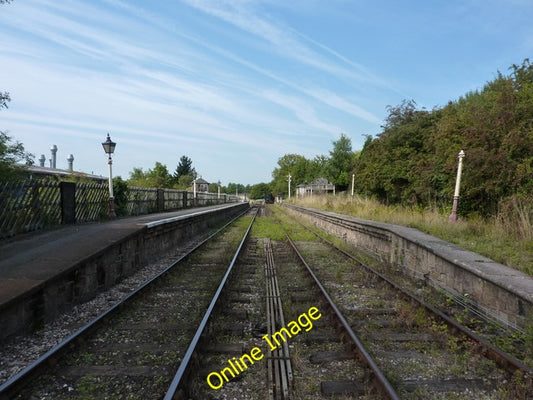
(19, 351)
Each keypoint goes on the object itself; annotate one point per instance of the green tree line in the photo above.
(182, 178)
(413, 160)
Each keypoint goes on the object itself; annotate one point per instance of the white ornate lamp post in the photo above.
(109, 148)
(453, 215)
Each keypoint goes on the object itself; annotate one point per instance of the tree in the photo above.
(233, 188)
(259, 191)
(185, 181)
(10, 153)
(4, 99)
(413, 161)
(120, 191)
(158, 177)
(341, 162)
(293, 164)
(184, 168)
(317, 168)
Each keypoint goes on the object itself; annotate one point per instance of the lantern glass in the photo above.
(109, 145)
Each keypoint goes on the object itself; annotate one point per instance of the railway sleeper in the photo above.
(452, 385)
(322, 357)
(332, 388)
(403, 337)
(116, 370)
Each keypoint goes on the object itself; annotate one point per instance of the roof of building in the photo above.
(321, 181)
(34, 169)
(316, 182)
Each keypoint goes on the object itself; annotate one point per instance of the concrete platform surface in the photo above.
(29, 260)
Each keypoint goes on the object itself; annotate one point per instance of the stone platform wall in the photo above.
(106, 267)
(500, 290)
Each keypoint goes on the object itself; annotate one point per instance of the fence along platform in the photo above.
(32, 205)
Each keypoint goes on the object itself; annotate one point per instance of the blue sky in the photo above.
(237, 84)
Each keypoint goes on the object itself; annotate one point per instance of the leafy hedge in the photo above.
(414, 159)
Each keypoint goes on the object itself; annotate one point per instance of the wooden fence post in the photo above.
(68, 202)
(160, 200)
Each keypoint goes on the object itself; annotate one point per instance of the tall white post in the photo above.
(453, 215)
(290, 185)
(110, 162)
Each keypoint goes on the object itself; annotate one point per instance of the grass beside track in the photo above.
(505, 240)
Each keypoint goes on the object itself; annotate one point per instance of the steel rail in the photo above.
(503, 359)
(380, 377)
(184, 365)
(9, 387)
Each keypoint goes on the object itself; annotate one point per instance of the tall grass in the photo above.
(506, 238)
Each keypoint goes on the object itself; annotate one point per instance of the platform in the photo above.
(28, 261)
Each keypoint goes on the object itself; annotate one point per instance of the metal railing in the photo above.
(35, 204)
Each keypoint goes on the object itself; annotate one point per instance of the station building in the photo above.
(318, 186)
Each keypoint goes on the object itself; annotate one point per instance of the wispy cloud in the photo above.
(283, 39)
(254, 79)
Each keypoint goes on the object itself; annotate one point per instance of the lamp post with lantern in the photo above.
(109, 148)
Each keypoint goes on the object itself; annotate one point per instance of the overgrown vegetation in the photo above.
(413, 161)
(506, 238)
(406, 174)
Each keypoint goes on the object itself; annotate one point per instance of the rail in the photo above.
(185, 363)
(383, 382)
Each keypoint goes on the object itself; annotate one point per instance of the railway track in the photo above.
(134, 349)
(423, 352)
(293, 347)
(278, 314)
